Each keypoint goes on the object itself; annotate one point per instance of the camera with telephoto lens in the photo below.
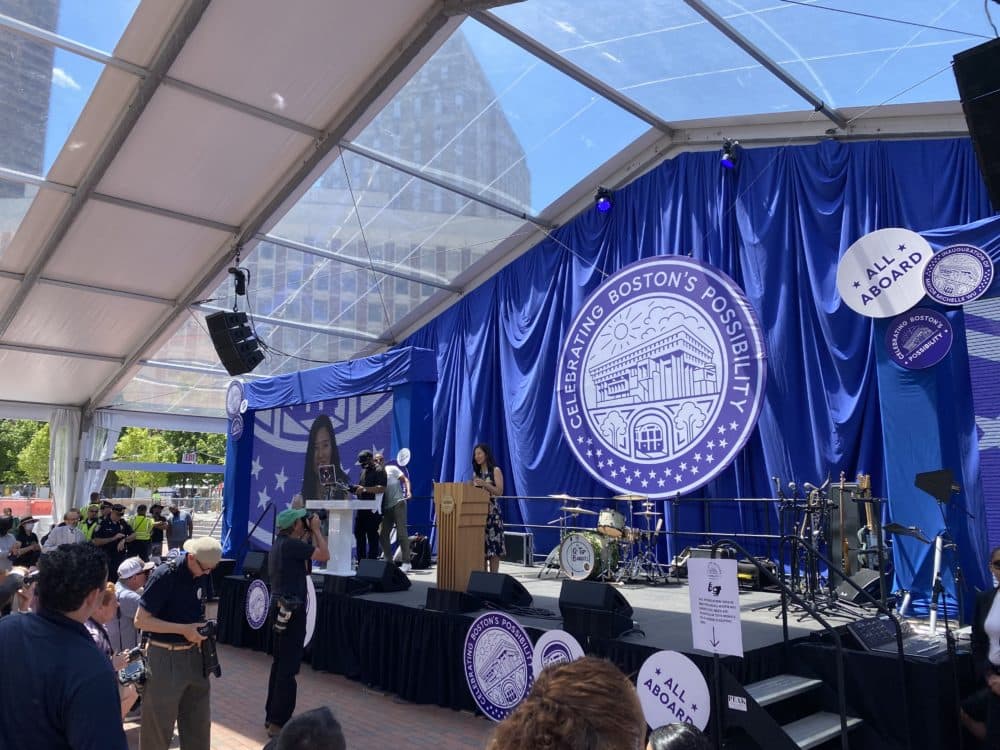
(134, 671)
(209, 655)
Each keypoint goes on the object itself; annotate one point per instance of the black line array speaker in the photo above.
(383, 576)
(594, 609)
(234, 342)
(977, 73)
(498, 588)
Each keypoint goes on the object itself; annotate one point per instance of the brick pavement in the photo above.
(369, 718)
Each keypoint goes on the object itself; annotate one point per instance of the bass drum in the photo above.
(587, 555)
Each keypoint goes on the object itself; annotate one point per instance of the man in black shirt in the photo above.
(156, 537)
(112, 536)
(289, 563)
(366, 522)
(171, 611)
(60, 693)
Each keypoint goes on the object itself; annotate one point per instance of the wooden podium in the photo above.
(461, 512)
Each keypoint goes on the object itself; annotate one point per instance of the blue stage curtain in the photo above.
(777, 224)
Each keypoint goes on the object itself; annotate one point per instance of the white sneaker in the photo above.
(406, 567)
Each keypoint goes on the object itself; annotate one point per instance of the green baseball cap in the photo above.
(287, 517)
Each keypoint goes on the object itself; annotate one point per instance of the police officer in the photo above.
(171, 611)
(288, 565)
(112, 536)
(142, 526)
(90, 521)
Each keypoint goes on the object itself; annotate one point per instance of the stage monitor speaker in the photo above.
(594, 609)
(443, 600)
(234, 342)
(938, 484)
(499, 588)
(977, 73)
(867, 580)
(344, 585)
(255, 564)
(383, 576)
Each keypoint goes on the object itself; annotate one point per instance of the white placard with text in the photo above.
(715, 606)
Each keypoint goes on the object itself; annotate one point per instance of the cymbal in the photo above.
(630, 496)
(646, 513)
(574, 511)
(563, 496)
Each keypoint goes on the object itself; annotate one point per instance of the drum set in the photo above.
(621, 548)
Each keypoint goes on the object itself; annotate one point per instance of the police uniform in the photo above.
(106, 529)
(177, 690)
(142, 526)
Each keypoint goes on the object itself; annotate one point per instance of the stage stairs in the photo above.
(784, 712)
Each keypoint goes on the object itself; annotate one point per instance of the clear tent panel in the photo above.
(15, 200)
(94, 24)
(665, 56)
(374, 213)
(43, 91)
(485, 115)
(170, 391)
(857, 53)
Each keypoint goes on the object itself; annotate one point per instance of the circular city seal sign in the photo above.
(673, 690)
(234, 397)
(497, 662)
(958, 274)
(554, 647)
(258, 602)
(919, 339)
(236, 427)
(881, 274)
(661, 377)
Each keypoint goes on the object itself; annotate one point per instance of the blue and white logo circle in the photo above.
(554, 647)
(958, 274)
(661, 377)
(919, 339)
(236, 427)
(497, 661)
(258, 602)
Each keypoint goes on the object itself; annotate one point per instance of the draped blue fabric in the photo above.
(408, 372)
(778, 225)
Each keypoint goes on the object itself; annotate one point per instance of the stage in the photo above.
(391, 642)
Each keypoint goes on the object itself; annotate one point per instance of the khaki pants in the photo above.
(176, 691)
(395, 516)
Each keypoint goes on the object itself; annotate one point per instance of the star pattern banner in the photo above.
(292, 441)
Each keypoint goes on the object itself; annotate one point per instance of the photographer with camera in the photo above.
(172, 612)
(366, 522)
(289, 563)
(59, 691)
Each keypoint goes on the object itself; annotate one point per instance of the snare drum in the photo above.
(611, 523)
(585, 555)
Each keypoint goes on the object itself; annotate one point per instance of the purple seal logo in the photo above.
(661, 377)
(554, 647)
(918, 339)
(236, 427)
(258, 602)
(497, 661)
(958, 274)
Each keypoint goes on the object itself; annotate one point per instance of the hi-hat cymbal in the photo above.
(574, 511)
(646, 513)
(630, 496)
(563, 496)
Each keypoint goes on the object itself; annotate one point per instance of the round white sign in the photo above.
(673, 690)
(882, 274)
(554, 647)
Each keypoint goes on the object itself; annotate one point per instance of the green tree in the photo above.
(210, 447)
(141, 445)
(15, 434)
(33, 460)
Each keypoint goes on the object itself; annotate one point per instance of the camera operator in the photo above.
(60, 692)
(172, 612)
(366, 522)
(289, 563)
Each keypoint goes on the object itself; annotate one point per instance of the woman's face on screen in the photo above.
(324, 452)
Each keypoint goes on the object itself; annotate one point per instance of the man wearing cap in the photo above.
(181, 527)
(288, 565)
(112, 536)
(171, 610)
(132, 575)
(142, 527)
(65, 533)
(366, 522)
(60, 693)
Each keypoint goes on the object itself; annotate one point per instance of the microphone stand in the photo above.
(949, 638)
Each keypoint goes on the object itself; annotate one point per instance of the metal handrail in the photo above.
(786, 591)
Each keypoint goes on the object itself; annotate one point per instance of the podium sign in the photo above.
(460, 511)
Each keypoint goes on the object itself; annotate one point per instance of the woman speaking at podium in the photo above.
(487, 475)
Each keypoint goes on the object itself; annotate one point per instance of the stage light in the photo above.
(728, 159)
(602, 199)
